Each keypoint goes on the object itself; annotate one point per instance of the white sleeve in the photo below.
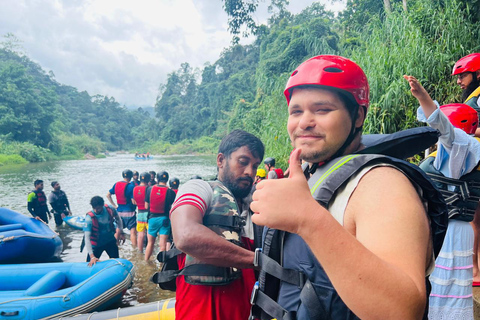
(197, 193)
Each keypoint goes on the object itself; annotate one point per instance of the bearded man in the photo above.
(467, 70)
(211, 224)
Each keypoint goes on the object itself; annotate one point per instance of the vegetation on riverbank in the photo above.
(243, 89)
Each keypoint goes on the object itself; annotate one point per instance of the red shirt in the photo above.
(232, 301)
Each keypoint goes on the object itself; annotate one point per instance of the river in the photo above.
(83, 179)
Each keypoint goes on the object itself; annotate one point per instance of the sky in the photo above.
(123, 48)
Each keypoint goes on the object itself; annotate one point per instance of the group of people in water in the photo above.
(353, 233)
(37, 203)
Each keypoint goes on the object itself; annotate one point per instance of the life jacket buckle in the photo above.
(256, 259)
(254, 296)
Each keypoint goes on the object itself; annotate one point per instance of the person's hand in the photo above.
(93, 261)
(418, 91)
(38, 218)
(120, 237)
(284, 204)
(63, 215)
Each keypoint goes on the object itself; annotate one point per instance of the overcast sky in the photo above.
(122, 48)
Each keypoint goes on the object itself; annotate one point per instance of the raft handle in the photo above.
(9, 314)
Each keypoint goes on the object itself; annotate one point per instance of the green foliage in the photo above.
(10, 159)
(425, 44)
(202, 145)
(37, 110)
(26, 150)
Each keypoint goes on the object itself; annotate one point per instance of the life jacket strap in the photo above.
(462, 185)
(462, 202)
(163, 256)
(308, 298)
(268, 305)
(235, 222)
(273, 268)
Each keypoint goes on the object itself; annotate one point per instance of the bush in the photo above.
(8, 159)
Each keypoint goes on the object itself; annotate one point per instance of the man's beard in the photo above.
(233, 184)
(471, 87)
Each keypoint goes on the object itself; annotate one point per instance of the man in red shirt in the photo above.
(199, 232)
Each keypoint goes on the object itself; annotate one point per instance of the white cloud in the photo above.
(120, 48)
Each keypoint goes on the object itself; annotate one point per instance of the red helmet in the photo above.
(461, 116)
(470, 63)
(334, 72)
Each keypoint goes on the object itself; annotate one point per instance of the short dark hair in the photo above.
(97, 201)
(239, 138)
(53, 183)
(37, 182)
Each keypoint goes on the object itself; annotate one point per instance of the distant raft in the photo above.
(53, 290)
(143, 158)
(76, 222)
(160, 310)
(25, 239)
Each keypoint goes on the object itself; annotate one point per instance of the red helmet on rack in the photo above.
(461, 116)
(333, 72)
(470, 63)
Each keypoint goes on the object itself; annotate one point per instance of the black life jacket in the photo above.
(310, 293)
(222, 217)
(40, 200)
(120, 190)
(60, 203)
(463, 200)
(95, 234)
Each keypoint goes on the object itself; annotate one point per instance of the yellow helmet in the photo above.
(261, 173)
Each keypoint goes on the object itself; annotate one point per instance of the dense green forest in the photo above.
(244, 87)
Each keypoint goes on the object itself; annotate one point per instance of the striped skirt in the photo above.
(451, 296)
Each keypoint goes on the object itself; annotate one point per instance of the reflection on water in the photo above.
(83, 179)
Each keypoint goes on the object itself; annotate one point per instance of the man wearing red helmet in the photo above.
(467, 70)
(357, 242)
(458, 153)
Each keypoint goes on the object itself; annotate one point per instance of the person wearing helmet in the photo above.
(458, 153)
(158, 200)
(467, 70)
(261, 174)
(135, 180)
(139, 193)
(125, 206)
(152, 181)
(174, 184)
(358, 238)
(273, 173)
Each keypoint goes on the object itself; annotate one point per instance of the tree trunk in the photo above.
(404, 5)
(387, 6)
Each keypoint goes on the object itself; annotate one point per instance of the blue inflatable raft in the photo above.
(25, 239)
(53, 290)
(75, 222)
